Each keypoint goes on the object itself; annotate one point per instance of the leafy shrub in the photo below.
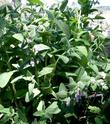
(53, 65)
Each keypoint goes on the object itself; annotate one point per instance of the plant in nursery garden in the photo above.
(54, 67)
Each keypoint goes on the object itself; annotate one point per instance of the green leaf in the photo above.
(94, 109)
(53, 109)
(64, 58)
(94, 68)
(36, 122)
(94, 86)
(69, 74)
(27, 97)
(36, 2)
(40, 47)
(16, 79)
(41, 106)
(72, 83)
(42, 121)
(107, 67)
(63, 27)
(62, 87)
(33, 92)
(19, 37)
(94, 10)
(79, 72)
(81, 85)
(4, 110)
(1, 107)
(40, 113)
(72, 53)
(66, 42)
(99, 17)
(98, 120)
(22, 115)
(36, 92)
(30, 87)
(62, 91)
(85, 77)
(45, 71)
(63, 5)
(5, 77)
(50, 14)
(62, 94)
(82, 1)
(83, 50)
(21, 93)
(28, 78)
(86, 42)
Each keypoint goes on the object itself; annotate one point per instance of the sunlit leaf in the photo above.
(83, 50)
(69, 74)
(40, 106)
(16, 79)
(40, 47)
(64, 58)
(39, 113)
(62, 91)
(94, 109)
(5, 110)
(53, 108)
(27, 97)
(94, 67)
(36, 92)
(62, 87)
(72, 83)
(5, 77)
(107, 68)
(30, 87)
(36, 2)
(62, 94)
(45, 71)
(19, 37)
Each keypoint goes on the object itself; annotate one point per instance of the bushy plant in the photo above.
(54, 67)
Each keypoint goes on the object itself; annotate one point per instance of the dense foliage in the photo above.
(54, 68)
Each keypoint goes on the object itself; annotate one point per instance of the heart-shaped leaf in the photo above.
(53, 108)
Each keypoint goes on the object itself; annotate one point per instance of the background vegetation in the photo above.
(54, 67)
